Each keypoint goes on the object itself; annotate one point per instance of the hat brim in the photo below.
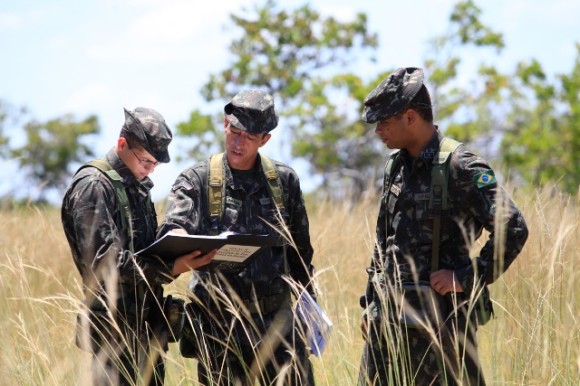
(235, 122)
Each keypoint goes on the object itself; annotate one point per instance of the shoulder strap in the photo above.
(391, 168)
(439, 188)
(274, 184)
(117, 182)
(216, 186)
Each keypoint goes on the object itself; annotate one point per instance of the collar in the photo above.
(428, 153)
(128, 177)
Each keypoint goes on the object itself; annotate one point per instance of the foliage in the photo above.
(299, 57)
(530, 125)
(9, 116)
(52, 147)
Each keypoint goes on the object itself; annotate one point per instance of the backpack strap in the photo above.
(117, 181)
(216, 186)
(274, 184)
(391, 168)
(439, 190)
(216, 190)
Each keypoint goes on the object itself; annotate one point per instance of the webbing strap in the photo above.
(439, 187)
(439, 190)
(117, 181)
(273, 182)
(216, 186)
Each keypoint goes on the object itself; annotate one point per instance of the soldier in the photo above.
(241, 323)
(424, 296)
(107, 214)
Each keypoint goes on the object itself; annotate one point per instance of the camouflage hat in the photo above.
(393, 94)
(252, 111)
(150, 129)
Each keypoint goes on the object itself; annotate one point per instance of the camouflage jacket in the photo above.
(405, 222)
(91, 218)
(248, 206)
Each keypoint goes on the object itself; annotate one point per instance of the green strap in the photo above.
(216, 185)
(117, 181)
(216, 188)
(439, 189)
(274, 185)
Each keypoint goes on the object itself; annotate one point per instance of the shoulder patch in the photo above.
(183, 184)
(484, 179)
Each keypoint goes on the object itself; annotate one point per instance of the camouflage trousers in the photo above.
(122, 353)
(269, 350)
(394, 356)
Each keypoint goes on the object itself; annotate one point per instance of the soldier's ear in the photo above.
(265, 139)
(410, 116)
(122, 143)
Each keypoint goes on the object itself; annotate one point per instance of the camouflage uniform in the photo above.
(232, 339)
(114, 280)
(394, 354)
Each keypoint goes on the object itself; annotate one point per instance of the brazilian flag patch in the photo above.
(484, 179)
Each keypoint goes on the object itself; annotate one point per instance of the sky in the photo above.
(97, 56)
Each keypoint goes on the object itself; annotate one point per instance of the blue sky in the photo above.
(96, 57)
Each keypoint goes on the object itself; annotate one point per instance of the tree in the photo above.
(51, 148)
(529, 125)
(300, 58)
(9, 116)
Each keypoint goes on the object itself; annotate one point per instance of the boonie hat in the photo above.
(150, 129)
(252, 111)
(393, 94)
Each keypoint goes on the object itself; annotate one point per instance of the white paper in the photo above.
(318, 325)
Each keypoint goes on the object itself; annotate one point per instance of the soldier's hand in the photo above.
(192, 261)
(444, 281)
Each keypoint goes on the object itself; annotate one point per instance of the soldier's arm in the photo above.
(482, 197)
(300, 261)
(96, 218)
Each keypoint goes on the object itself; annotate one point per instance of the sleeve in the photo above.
(100, 242)
(491, 207)
(299, 259)
(184, 205)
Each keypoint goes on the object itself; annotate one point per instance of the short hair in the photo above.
(421, 103)
(132, 140)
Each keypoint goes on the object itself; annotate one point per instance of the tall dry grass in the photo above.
(534, 340)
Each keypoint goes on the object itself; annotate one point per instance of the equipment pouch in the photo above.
(420, 307)
(484, 307)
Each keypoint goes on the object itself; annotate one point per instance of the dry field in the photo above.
(534, 340)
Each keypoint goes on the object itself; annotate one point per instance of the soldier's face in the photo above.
(138, 160)
(242, 147)
(392, 132)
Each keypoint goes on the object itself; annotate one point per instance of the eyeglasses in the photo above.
(146, 163)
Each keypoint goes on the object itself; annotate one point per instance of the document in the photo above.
(318, 325)
(235, 250)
